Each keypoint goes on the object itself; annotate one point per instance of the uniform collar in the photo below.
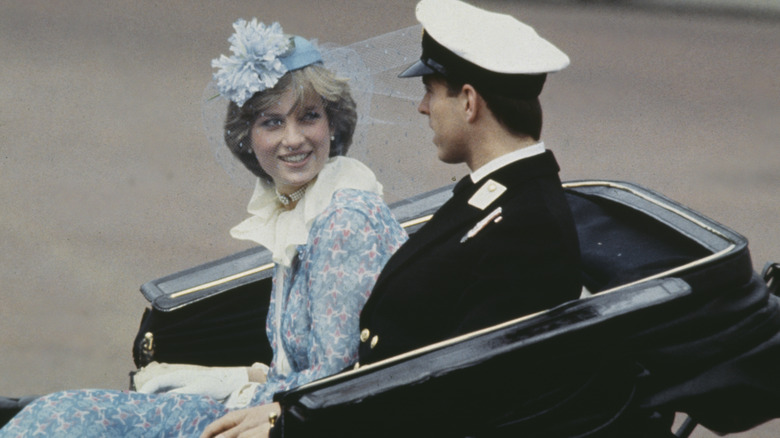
(506, 159)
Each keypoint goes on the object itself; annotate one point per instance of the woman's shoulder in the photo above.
(355, 199)
(363, 212)
(354, 204)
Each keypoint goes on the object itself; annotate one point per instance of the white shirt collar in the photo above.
(497, 163)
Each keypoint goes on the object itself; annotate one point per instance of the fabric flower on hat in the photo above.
(255, 64)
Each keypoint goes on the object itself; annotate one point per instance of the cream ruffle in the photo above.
(282, 231)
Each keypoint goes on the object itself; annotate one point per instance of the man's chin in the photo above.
(449, 159)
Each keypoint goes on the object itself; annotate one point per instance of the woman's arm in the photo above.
(349, 245)
(216, 382)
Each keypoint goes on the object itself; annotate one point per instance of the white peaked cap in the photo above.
(493, 41)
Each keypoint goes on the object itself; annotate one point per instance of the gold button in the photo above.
(492, 188)
(364, 334)
(357, 366)
(374, 341)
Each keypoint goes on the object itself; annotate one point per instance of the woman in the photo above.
(289, 121)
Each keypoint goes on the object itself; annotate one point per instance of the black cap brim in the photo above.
(417, 69)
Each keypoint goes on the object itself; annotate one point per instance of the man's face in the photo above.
(445, 119)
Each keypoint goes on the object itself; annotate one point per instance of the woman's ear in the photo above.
(335, 149)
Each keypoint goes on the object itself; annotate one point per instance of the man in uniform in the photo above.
(505, 244)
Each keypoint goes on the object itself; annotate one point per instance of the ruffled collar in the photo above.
(282, 231)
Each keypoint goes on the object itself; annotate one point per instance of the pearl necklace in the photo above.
(295, 196)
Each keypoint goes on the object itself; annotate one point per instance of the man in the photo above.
(505, 244)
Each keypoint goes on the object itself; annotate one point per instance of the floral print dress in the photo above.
(323, 292)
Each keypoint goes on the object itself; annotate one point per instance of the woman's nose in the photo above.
(293, 137)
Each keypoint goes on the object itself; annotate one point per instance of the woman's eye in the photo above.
(312, 116)
(271, 123)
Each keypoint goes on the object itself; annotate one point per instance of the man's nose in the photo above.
(422, 108)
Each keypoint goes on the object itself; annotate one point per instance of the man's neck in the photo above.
(490, 149)
(507, 159)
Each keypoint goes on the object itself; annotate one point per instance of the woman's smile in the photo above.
(295, 158)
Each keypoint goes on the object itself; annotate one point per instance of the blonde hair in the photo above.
(307, 82)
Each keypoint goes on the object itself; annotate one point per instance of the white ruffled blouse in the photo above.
(281, 230)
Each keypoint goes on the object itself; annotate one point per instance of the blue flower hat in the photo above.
(261, 56)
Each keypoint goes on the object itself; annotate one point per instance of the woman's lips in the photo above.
(295, 158)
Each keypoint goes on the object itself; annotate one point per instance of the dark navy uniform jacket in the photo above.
(437, 286)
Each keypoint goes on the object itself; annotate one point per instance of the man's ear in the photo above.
(472, 102)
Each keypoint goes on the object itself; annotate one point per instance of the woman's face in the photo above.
(292, 143)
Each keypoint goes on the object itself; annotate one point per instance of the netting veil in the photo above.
(391, 137)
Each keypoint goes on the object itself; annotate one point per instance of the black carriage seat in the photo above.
(628, 233)
(631, 239)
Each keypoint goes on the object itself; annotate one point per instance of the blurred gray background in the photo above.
(107, 180)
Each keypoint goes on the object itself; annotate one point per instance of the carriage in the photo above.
(673, 320)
